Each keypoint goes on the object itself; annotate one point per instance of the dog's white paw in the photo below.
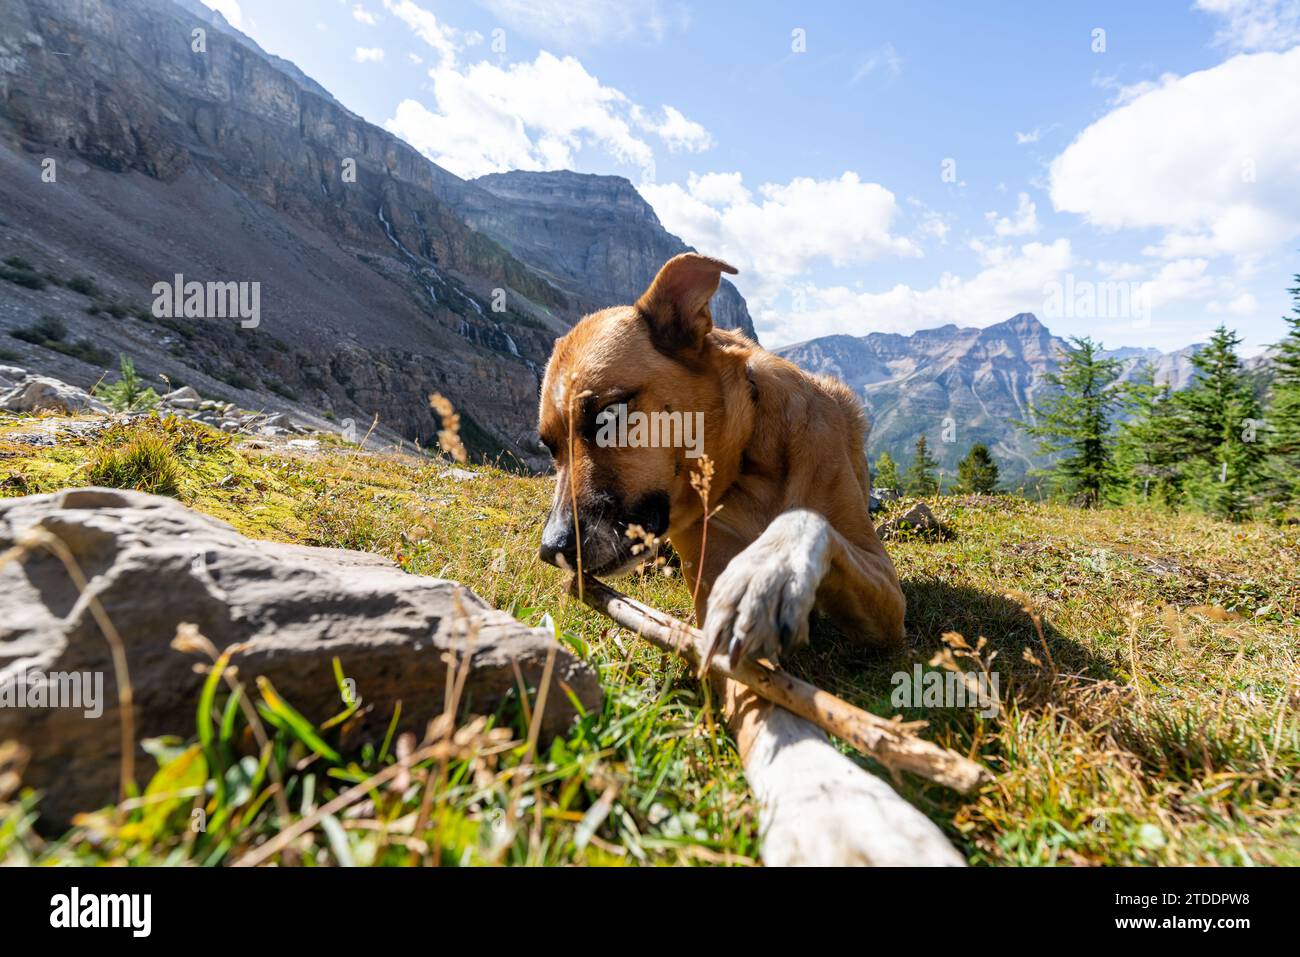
(760, 605)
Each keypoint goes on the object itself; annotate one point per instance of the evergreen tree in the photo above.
(1218, 430)
(1145, 461)
(977, 473)
(1076, 419)
(1283, 438)
(128, 393)
(921, 478)
(887, 473)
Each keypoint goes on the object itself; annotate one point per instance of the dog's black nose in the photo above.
(559, 544)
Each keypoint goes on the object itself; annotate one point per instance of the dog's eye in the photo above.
(606, 419)
(612, 412)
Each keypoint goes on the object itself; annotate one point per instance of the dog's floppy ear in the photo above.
(677, 303)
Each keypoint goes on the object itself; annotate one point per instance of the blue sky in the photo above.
(878, 166)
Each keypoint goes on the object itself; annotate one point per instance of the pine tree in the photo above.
(1145, 462)
(1218, 430)
(977, 473)
(1076, 419)
(127, 394)
(887, 473)
(1283, 438)
(920, 478)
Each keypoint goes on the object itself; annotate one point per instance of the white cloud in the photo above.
(884, 58)
(776, 234)
(1181, 280)
(677, 132)
(1031, 137)
(1242, 305)
(720, 189)
(1025, 222)
(444, 39)
(228, 9)
(1013, 283)
(1255, 24)
(415, 58)
(574, 23)
(534, 115)
(362, 15)
(368, 54)
(789, 228)
(1211, 159)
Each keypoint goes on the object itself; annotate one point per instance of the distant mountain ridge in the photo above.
(960, 385)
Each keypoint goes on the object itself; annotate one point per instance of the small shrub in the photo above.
(127, 394)
(236, 378)
(51, 328)
(17, 262)
(146, 463)
(182, 330)
(84, 285)
(283, 391)
(45, 331)
(82, 349)
(22, 277)
(108, 308)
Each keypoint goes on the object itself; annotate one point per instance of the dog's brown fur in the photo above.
(790, 475)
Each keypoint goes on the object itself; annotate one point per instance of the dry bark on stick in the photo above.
(892, 743)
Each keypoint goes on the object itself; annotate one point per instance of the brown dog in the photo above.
(789, 530)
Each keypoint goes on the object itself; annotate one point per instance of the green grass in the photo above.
(1155, 720)
(147, 463)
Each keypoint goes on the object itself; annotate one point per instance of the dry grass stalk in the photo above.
(42, 538)
(702, 482)
(449, 435)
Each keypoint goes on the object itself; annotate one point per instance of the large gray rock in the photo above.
(40, 394)
(153, 563)
(10, 376)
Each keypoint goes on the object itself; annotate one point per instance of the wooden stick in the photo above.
(892, 743)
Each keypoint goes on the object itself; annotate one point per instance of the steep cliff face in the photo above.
(592, 234)
(959, 386)
(219, 162)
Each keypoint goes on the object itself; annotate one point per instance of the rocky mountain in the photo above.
(591, 234)
(960, 385)
(134, 150)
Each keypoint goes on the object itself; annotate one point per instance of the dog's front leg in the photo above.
(816, 806)
(761, 603)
